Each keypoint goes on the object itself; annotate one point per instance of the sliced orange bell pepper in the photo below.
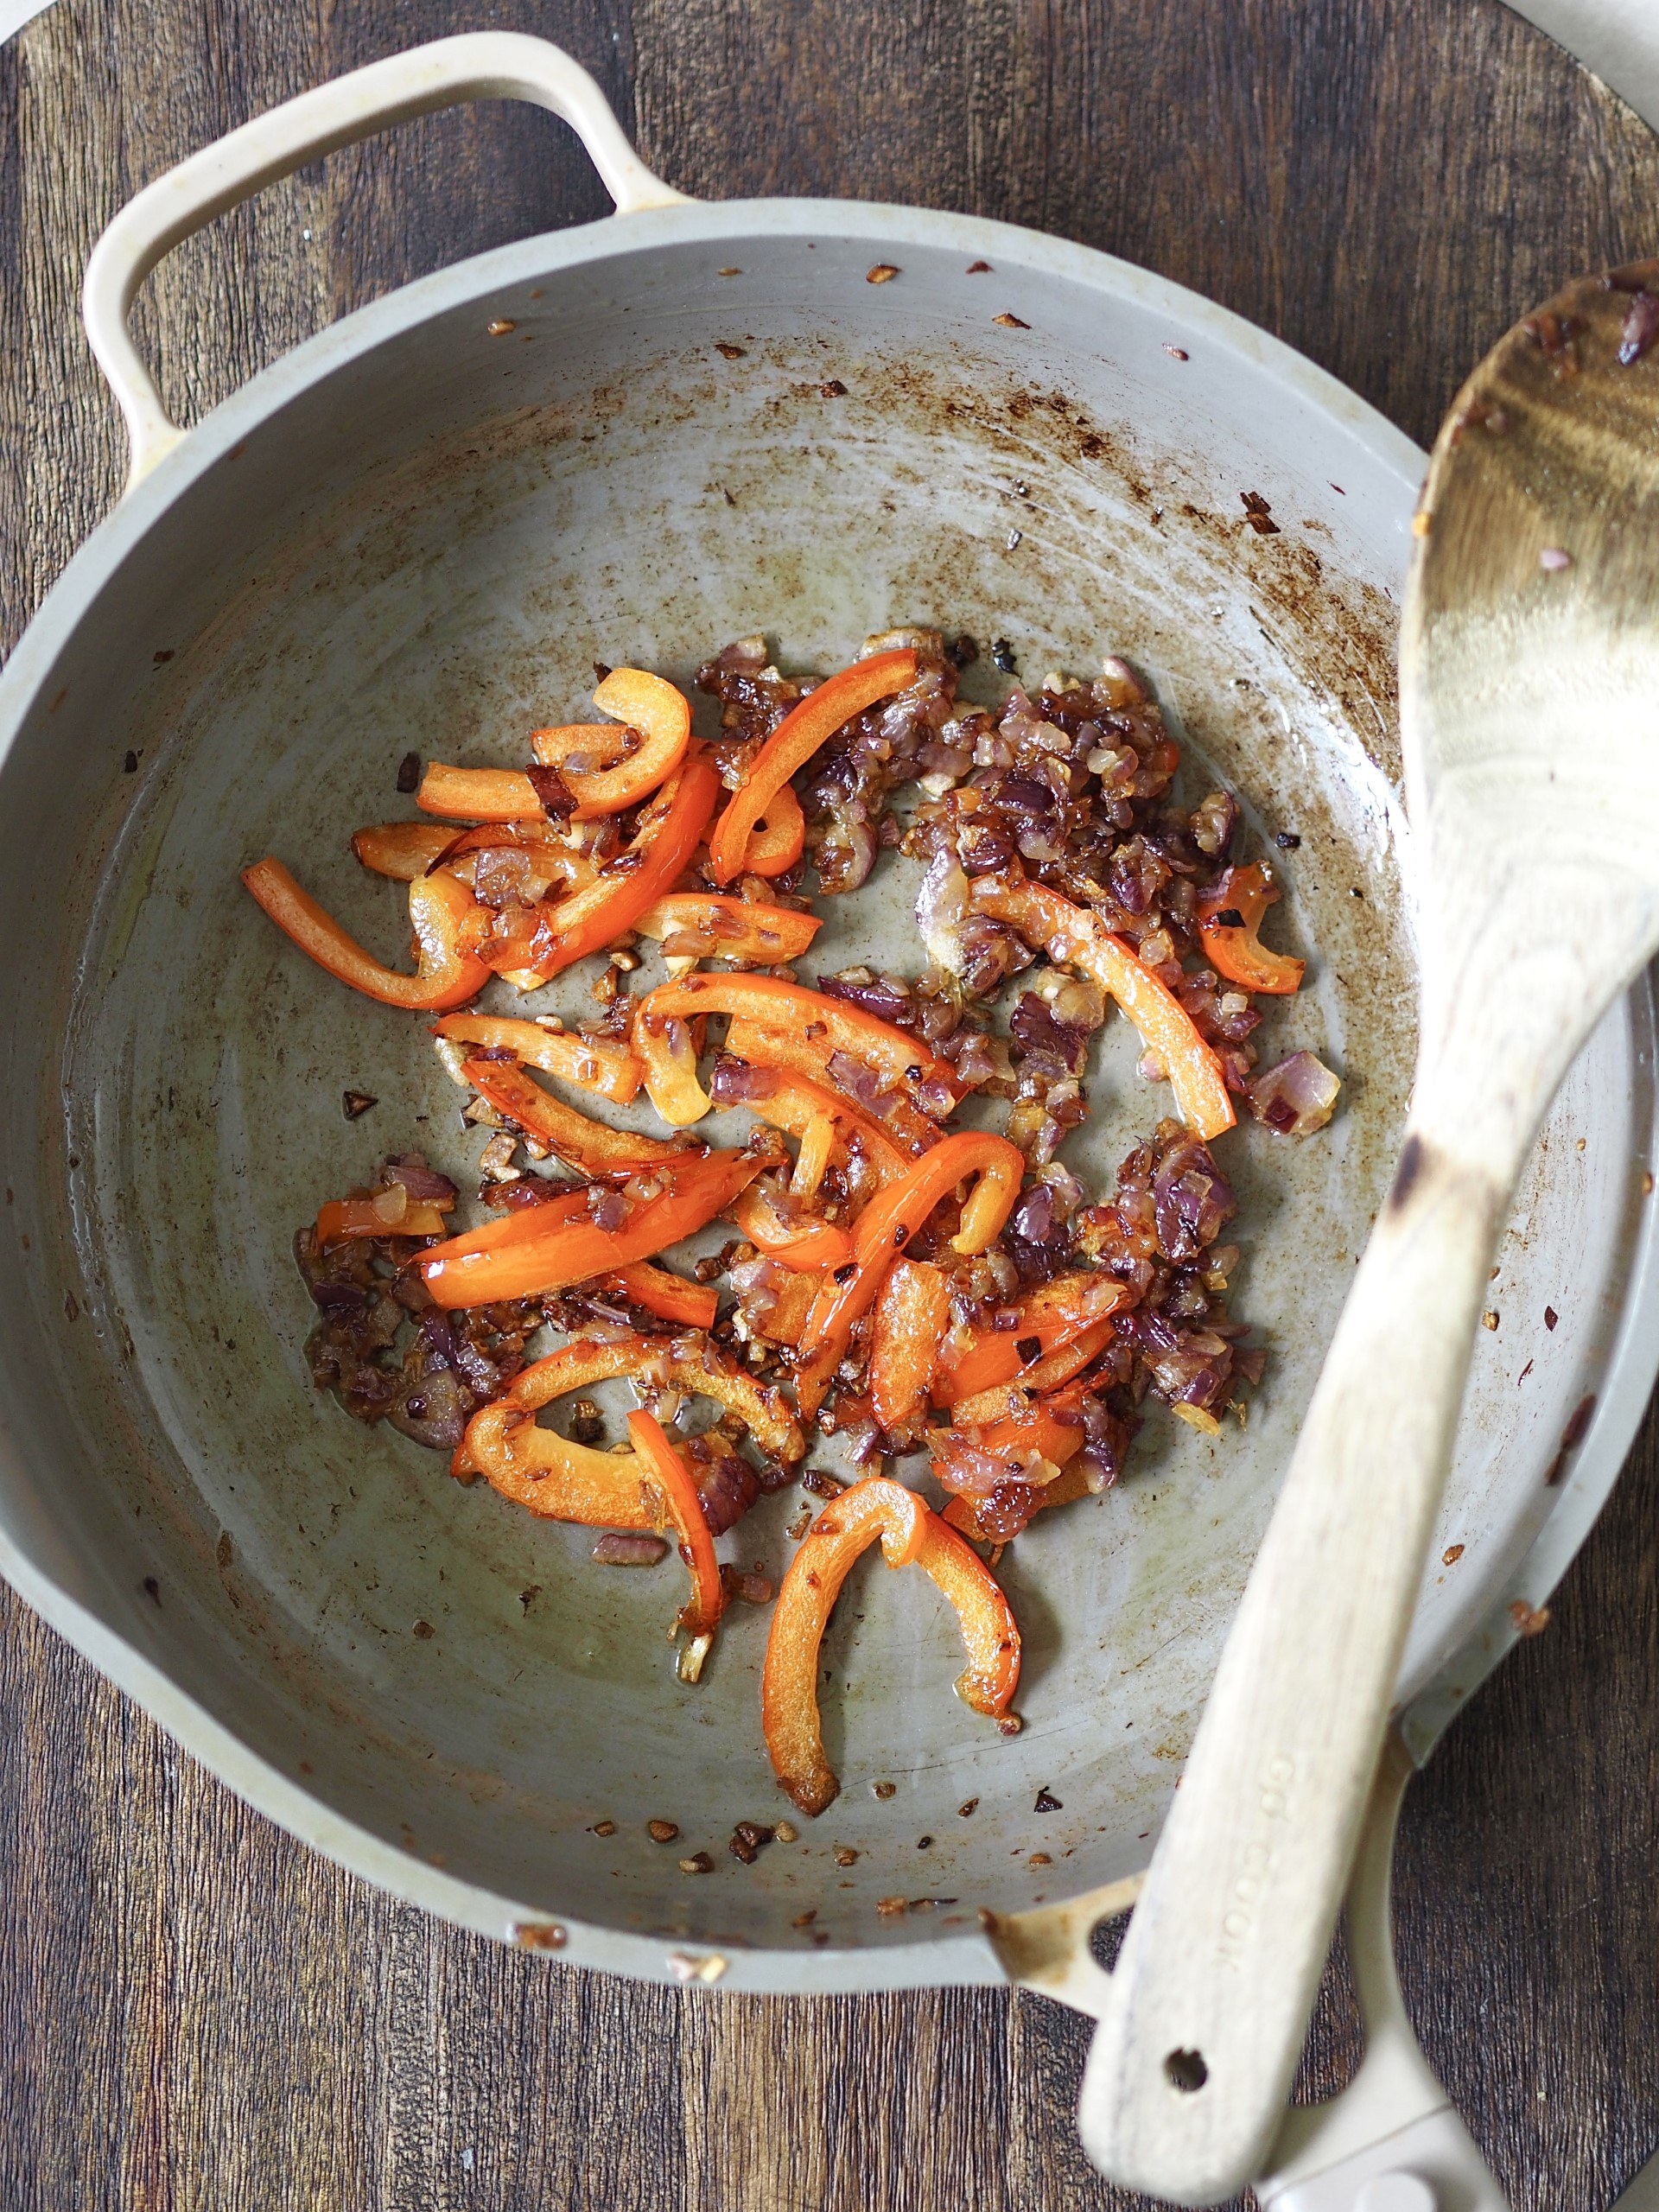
(988, 1630)
(547, 1249)
(812, 1160)
(791, 744)
(668, 831)
(401, 850)
(479, 794)
(650, 1487)
(876, 1509)
(596, 1063)
(1047, 1373)
(913, 1315)
(890, 1144)
(714, 925)
(786, 1317)
(1236, 949)
(1044, 1429)
(641, 703)
(704, 1372)
(890, 1219)
(551, 1476)
(669, 1296)
(343, 1219)
(439, 912)
(588, 1145)
(909, 1533)
(1076, 937)
(779, 838)
(666, 1049)
(799, 1241)
(602, 744)
(669, 1473)
(1051, 1317)
(824, 1024)
(799, 1103)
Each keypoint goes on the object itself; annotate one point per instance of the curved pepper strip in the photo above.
(549, 1475)
(1054, 1314)
(1236, 949)
(531, 1252)
(1047, 1373)
(588, 1145)
(902, 1134)
(798, 1102)
(913, 1315)
(714, 925)
(669, 1296)
(825, 1024)
(668, 1473)
(439, 910)
(666, 1050)
(401, 850)
(890, 1219)
(988, 1630)
(876, 1509)
(909, 1534)
(642, 702)
(1076, 937)
(778, 839)
(797, 1240)
(703, 1372)
(595, 1062)
(667, 836)
(791, 744)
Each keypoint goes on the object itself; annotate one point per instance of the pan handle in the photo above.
(480, 65)
(1390, 2142)
(1391, 2137)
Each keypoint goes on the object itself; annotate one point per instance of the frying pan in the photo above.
(631, 441)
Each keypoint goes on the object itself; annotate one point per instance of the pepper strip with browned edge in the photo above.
(1075, 938)
(511, 1436)
(891, 1218)
(791, 744)
(876, 1508)
(1229, 922)
(548, 1248)
(439, 910)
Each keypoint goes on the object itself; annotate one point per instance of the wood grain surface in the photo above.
(195, 2012)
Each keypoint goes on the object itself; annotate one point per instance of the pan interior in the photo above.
(427, 551)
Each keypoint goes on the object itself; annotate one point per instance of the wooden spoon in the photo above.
(1529, 691)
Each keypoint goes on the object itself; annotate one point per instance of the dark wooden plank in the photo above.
(193, 2011)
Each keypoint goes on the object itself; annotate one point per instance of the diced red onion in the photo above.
(1296, 1097)
(425, 1184)
(606, 1209)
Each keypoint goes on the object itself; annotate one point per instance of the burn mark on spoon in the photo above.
(1405, 1176)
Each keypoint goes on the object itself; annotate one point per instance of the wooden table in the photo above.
(195, 2012)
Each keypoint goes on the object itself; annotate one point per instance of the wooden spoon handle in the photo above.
(1192, 2066)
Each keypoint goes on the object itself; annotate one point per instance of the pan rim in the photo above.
(946, 1958)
